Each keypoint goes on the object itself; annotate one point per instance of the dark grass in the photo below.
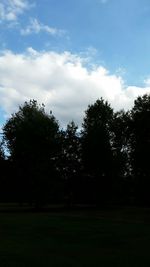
(116, 237)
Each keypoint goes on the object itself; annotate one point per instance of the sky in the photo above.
(69, 53)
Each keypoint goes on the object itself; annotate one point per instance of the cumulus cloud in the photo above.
(37, 27)
(62, 82)
(11, 9)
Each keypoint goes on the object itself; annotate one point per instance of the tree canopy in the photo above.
(107, 160)
(31, 136)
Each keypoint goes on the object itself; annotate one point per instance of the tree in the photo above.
(120, 139)
(3, 173)
(31, 137)
(140, 143)
(71, 161)
(2, 154)
(97, 152)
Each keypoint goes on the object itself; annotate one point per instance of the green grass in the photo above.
(119, 237)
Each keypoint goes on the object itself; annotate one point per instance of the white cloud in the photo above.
(62, 82)
(11, 9)
(36, 27)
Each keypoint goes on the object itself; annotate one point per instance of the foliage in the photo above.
(107, 161)
(140, 142)
(31, 137)
(30, 131)
(71, 161)
(96, 135)
(120, 139)
(97, 152)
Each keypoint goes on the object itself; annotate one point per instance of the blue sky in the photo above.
(81, 49)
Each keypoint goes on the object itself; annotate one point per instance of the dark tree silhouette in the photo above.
(3, 175)
(140, 142)
(2, 154)
(31, 137)
(108, 160)
(97, 152)
(122, 181)
(71, 162)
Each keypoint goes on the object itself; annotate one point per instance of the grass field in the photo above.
(118, 237)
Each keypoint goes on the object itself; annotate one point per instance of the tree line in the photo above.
(106, 161)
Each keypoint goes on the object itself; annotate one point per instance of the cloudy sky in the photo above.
(68, 53)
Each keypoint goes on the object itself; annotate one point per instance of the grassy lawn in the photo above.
(119, 237)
